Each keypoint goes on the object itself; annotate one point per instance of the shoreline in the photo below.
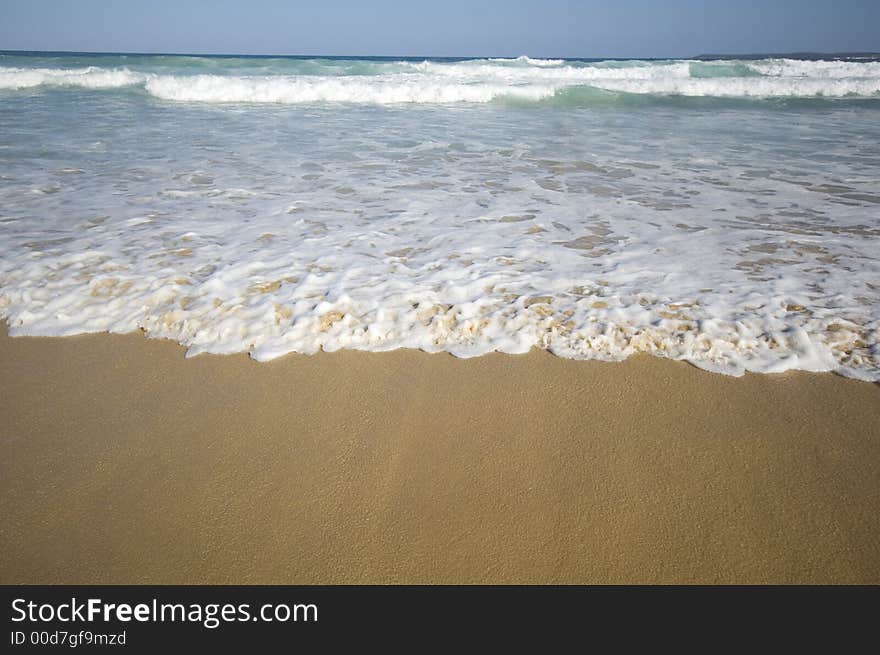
(127, 463)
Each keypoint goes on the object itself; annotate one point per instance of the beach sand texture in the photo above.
(124, 462)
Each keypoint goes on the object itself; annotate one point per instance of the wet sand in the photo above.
(124, 462)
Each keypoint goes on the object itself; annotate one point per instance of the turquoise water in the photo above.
(722, 212)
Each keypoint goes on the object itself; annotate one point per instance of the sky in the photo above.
(548, 28)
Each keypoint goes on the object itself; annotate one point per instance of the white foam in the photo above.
(446, 275)
(475, 81)
(299, 90)
(91, 78)
(486, 72)
(525, 59)
(742, 242)
(746, 87)
(816, 69)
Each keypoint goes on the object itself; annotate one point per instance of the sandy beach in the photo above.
(125, 462)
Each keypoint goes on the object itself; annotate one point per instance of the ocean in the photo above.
(722, 212)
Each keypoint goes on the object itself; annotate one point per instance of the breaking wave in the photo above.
(472, 81)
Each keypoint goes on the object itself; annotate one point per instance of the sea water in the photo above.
(722, 212)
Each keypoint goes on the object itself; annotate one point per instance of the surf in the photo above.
(478, 81)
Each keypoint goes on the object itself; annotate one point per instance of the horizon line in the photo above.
(718, 55)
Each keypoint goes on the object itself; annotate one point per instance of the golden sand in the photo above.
(124, 462)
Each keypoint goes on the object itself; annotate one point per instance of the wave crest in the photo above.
(472, 81)
(89, 78)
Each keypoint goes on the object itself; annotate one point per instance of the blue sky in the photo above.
(569, 28)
